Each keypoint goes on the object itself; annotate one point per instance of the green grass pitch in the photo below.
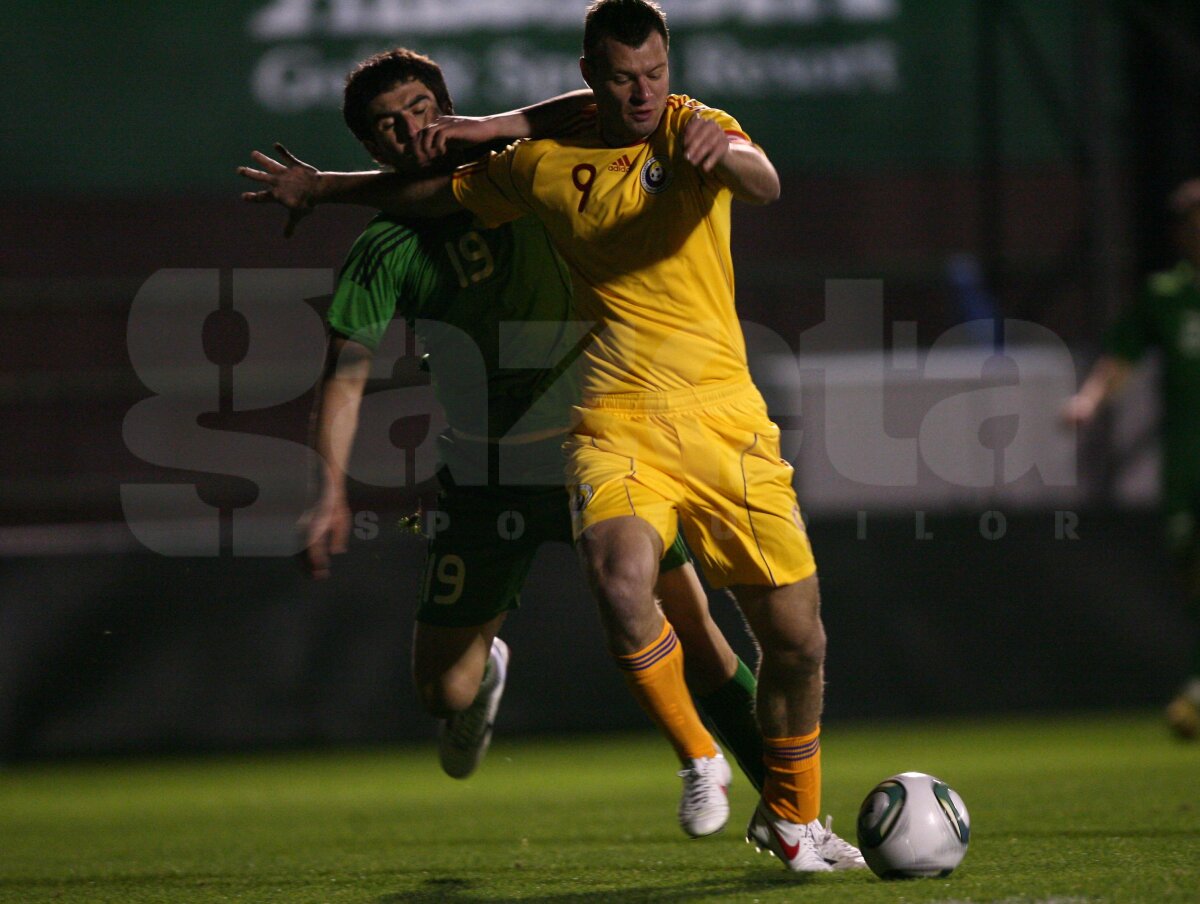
(1064, 811)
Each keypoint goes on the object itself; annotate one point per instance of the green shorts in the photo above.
(482, 543)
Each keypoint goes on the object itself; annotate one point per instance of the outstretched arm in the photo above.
(741, 167)
(544, 119)
(299, 187)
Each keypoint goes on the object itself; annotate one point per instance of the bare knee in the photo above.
(622, 581)
(443, 695)
(621, 562)
(448, 664)
(621, 558)
(800, 652)
(787, 625)
(625, 599)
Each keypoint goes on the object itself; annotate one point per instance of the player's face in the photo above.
(396, 116)
(631, 86)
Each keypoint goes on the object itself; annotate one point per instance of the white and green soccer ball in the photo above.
(913, 825)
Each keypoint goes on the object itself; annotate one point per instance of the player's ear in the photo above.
(586, 71)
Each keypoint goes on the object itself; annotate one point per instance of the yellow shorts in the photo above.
(706, 458)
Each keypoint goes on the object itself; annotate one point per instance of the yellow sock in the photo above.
(655, 677)
(792, 789)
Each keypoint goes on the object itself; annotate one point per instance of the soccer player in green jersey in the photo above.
(1165, 316)
(493, 309)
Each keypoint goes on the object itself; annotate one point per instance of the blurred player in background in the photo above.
(1165, 317)
(672, 427)
(477, 298)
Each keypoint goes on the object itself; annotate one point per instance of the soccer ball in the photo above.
(913, 825)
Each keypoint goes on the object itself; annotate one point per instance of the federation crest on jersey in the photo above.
(654, 176)
(581, 497)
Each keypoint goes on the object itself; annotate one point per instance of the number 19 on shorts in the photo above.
(450, 572)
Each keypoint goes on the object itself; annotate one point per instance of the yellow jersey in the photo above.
(646, 237)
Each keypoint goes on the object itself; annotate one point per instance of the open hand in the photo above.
(292, 183)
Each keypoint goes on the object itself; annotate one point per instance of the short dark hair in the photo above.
(382, 72)
(628, 22)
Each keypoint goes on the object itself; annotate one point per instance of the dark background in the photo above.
(1035, 144)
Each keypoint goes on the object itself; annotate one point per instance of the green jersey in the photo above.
(492, 308)
(1166, 316)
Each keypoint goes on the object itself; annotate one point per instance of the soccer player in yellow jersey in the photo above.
(671, 426)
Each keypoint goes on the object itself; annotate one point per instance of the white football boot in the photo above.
(704, 807)
(834, 850)
(464, 738)
(794, 844)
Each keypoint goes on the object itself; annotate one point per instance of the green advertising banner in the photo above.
(125, 97)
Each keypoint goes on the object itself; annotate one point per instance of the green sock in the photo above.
(729, 710)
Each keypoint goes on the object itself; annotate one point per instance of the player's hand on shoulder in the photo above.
(705, 143)
(449, 132)
(292, 183)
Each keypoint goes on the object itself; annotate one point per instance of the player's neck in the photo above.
(621, 140)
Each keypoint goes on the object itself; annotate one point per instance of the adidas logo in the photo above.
(621, 165)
